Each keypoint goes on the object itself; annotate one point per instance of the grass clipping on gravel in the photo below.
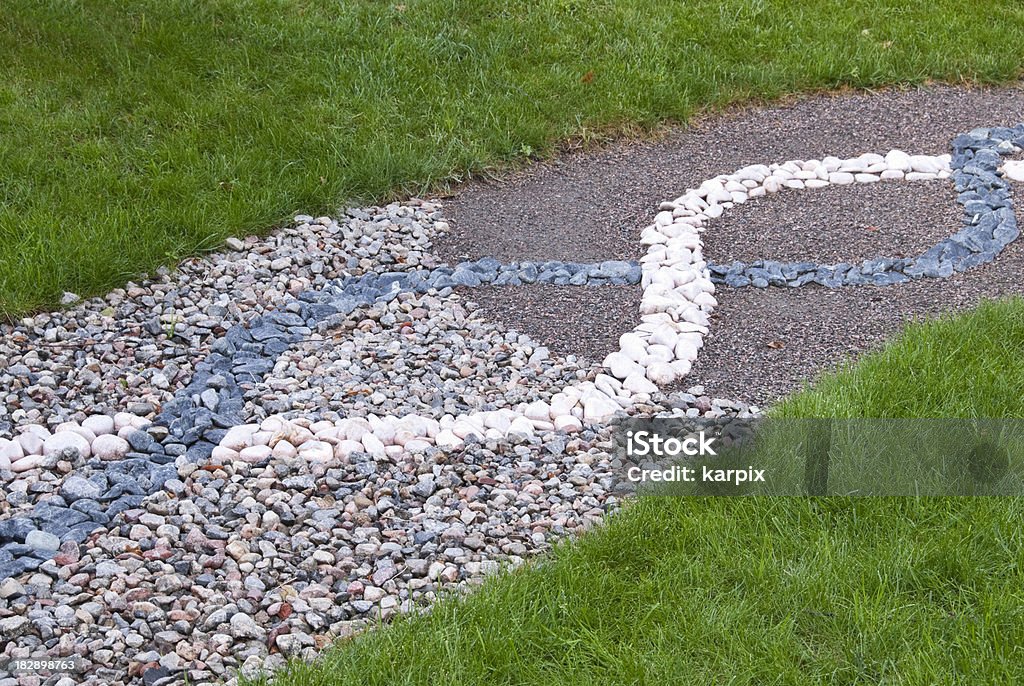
(133, 134)
(766, 590)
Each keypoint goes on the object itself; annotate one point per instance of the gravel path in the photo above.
(584, 321)
(591, 206)
(837, 224)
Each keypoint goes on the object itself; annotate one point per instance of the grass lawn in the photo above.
(132, 134)
(761, 591)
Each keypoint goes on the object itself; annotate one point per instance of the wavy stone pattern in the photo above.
(129, 460)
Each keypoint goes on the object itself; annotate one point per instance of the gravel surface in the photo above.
(585, 321)
(837, 224)
(818, 327)
(591, 206)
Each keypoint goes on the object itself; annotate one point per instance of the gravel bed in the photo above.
(837, 224)
(419, 355)
(136, 347)
(581, 321)
(817, 327)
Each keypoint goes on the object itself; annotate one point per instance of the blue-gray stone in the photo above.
(15, 529)
(738, 280)
(18, 566)
(77, 488)
(616, 268)
(199, 452)
(47, 514)
(141, 441)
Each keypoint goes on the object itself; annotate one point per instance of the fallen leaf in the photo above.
(588, 77)
(871, 228)
(775, 345)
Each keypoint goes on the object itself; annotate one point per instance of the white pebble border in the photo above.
(677, 301)
(678, 298)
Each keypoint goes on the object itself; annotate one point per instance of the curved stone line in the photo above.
(678, 297)
(990, 224)
(206, 416)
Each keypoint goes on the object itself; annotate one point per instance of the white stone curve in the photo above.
(678, 298)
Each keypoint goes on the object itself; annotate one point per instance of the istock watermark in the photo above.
(851, 457)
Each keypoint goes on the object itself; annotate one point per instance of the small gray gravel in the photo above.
(837, 224)
(585, 321)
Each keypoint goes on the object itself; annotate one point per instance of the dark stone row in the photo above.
(200, 414)
(989, 226)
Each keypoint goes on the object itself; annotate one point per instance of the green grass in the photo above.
(760, 591)
(132, 134)
(966, 366)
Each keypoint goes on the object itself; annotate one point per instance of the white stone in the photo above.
(816, 183)
(319, 451)
(239, 437)
(685, 350)
(620, 365)
(466, 426)
(521, 425)
(418, 445)
(99, 424)
(538, 410)
(109, 447)
(921, 176)
(925, 164)
(562, 404)
(283, 450)
(660, 372)
(373, 444)
(1014, 170)
(11, 450)
(222, 454)
(637, 383)
(123, 419)
(897, 160)
(346, 447)
(681, 367)
(893, 174)
(568, 424)
(831, 163)
(632, 346)
(866, 178)
(258, 453)
(839, 178)
(598, 407)
(65, 440)
(26, 463)
(447, 440)
(770, 185)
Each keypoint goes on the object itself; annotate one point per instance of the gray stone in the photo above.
(42, 541)
(76, 488)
